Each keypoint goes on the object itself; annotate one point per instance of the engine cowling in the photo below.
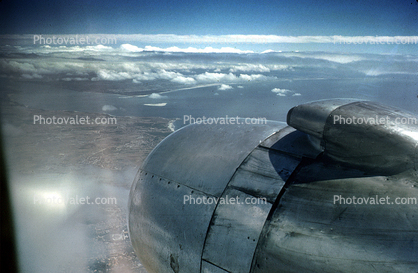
(268, 198)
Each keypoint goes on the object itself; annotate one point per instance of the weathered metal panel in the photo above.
(311, 117)
(197, 161)
(361, 134)
(374, 138)
(310, 232)
(210, 268)
(293, 142)
(235, 229)
(301, 228)
(270, 163)
(204, 157)
(167, 233)
(257, 185)
(263, 173)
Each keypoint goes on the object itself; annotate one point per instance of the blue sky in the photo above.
(399, 17)
(283, 18)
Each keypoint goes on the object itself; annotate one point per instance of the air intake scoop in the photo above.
(363, 134)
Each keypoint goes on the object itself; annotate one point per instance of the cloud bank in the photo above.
(154, 68)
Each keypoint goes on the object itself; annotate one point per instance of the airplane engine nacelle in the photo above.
(270, 198)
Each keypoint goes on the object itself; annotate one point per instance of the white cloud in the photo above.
(131, 48)
(109, 75)
(198, 50)
(31, 76)
(114, 70)
(332, 57)
(156, 104)
(152, 39)
(225, 87)
(253, 77)
(221, 77)
(105, 63)
(250, 67)
(20, 67)
(284, 92)
(109, 108)
(280, 91)
(73, 49)
(75, 79)
(215, 77)
(184, 80)
(234, 38)
(279, 67)
(339, 58)
(98, 48)
(156, 96)
(268, 51)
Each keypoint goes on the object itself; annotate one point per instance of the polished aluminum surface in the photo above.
(297, 144)
(311, 117)
(210, 268)
(362, 134)
(237, 227)
(204, 157)
(309, 233)
(166, 233)
(387, 145)
(300, 228)
(198, 161)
